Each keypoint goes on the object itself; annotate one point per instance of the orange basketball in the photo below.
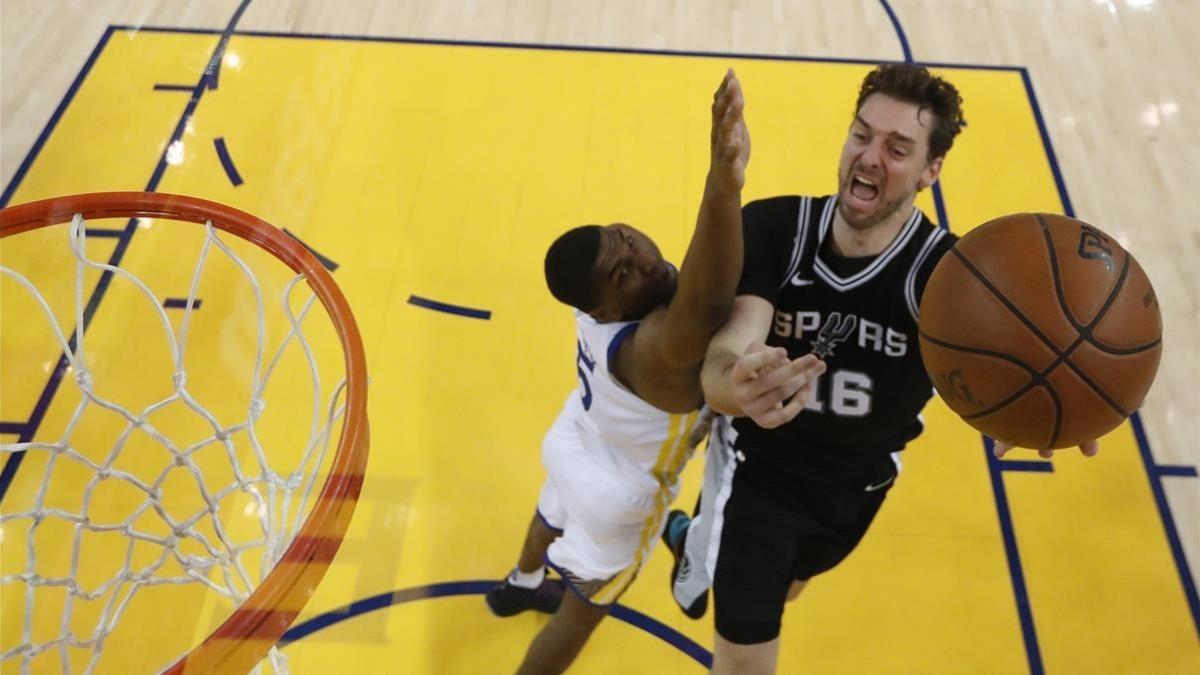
(1040, 330)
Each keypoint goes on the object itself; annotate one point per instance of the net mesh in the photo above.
(165, 541)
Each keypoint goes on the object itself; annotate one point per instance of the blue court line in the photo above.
(174, 87)
(13, 462)
(16, 428)
(1175, 470)
(448, 308)
(1068, 209)
(56, 376)
(996, 467)
(102, 232)
(1030, 466)
(939, 203)
(181, 303)
(213, 72)
(325, 262)
(1154, 474)
(1016, 572)
(1008, 531)
(561, 47)
(899, 30)
(1152, 469)
(481, 587)
(54, 118)
(227, 161)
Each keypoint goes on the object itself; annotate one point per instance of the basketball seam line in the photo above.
(1085, 332)
(1089, 336)
(1021, 317)
(1126, 352)
(1036, 379)
(1041, 378)
(976, 350)
(1005, 301)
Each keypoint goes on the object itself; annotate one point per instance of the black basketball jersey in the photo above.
(859, 315)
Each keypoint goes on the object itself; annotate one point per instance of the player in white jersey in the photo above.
(614, 453)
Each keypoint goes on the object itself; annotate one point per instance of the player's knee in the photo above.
(577, 614)
(794, 590)
(744, 659)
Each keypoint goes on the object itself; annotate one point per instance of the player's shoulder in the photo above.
(931, 241)
(784, 204)
(784, 214)
(782, 208)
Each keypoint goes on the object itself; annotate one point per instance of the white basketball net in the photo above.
(281, 497)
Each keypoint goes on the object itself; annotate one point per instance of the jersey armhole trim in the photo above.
(616, 341)
(910, 283)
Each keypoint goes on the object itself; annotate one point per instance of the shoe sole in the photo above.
(697, 609)
(491, 606)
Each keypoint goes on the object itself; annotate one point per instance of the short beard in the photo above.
(872, 220)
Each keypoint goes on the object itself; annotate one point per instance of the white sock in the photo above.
(527, 579)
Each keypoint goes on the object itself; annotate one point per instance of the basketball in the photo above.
(1040, 330)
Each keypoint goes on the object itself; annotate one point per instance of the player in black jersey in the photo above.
(830, 289)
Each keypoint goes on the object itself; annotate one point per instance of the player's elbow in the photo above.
(712, 313)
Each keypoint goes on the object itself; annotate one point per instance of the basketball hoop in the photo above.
(296, 553)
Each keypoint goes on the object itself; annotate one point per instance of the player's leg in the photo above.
(795, 589)
(526, 586)
(610, 523)
(690, 539)
(752, 577)
(537, 540)
(559, 642)
(734, 659)
(841, 514)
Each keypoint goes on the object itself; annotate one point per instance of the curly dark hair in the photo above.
(914, 84)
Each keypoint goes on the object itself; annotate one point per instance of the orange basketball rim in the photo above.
(254, 627)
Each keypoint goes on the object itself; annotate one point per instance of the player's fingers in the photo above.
(778, 376)
(801, 373)
(1090, 448)
(755, 359)
(719, 95)
(1001, 448)
(794, 406)
(783, 387)
(1046, 453)
(782, 413)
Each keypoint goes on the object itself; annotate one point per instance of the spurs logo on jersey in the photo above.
(838, 328)
(835, 331)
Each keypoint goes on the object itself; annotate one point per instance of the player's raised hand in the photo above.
(730, 140)
(1089, 449)
(771, 389)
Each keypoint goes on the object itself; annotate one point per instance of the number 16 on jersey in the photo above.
(849, 394)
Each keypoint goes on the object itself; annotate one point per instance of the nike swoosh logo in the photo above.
(872, 488)
(797, 281)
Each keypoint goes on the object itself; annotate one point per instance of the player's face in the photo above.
(885, 160)
(630, 274)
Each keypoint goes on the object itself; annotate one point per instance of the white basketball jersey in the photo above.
(636, 437)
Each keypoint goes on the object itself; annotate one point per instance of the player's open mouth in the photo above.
(863, 189)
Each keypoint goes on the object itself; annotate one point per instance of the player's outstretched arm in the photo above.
(678, 337)
(745, 378)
